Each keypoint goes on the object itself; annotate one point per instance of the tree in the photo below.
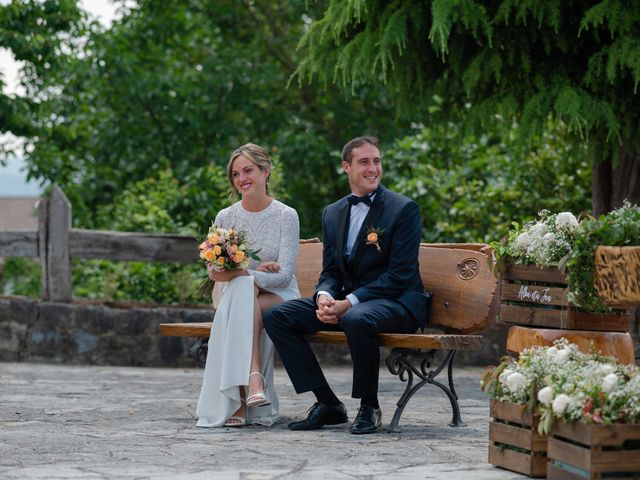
(179, 85)
(576, 61)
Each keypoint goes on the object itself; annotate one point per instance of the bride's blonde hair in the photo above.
(257, 155)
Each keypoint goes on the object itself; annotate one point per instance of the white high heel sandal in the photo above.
(258, 399)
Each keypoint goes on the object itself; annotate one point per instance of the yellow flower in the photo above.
(234, 249)
(220, 260)
(217, 250)
(372, 237)
(210, 255)
(213, 238)
(239, 257)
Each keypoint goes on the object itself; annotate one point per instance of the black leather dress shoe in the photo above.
(321, 415)
(368, 420)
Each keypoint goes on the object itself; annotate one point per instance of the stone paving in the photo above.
(86, 422)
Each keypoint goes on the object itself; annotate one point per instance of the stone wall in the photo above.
(128, 334)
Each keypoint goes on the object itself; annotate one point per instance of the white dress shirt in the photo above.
(356, 219)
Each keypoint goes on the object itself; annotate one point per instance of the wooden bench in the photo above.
(465, 301)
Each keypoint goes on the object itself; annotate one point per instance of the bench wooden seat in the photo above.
(464, 303)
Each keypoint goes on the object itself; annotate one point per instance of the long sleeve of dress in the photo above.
(287, 253)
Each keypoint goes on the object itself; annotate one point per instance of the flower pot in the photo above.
(581, 451)
(617, 275)
(537, 297)
(514, 442)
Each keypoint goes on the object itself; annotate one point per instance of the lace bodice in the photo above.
(275, 231)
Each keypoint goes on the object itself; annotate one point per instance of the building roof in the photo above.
(18, 213)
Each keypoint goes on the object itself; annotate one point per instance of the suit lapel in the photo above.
(371, 220)
(341, 232)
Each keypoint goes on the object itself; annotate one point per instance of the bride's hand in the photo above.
(224, 276)
(269, 267)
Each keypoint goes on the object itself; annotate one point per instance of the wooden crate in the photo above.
(581, 451)
(514, 442)
(537, 297)
(617, 275)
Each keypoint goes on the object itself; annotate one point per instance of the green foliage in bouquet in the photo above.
(620, 227)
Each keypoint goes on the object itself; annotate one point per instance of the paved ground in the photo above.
(84, 422)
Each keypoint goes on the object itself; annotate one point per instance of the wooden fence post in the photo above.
(43, 230)
(56, 263)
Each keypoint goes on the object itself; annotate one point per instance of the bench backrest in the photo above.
(458, 274)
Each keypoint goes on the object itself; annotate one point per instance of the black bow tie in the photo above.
(354, 200)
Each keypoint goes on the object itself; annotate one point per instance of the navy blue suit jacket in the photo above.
(391, 273)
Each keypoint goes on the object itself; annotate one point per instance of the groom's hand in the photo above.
(330, 311)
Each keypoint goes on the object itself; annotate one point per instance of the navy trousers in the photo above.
(288, 322)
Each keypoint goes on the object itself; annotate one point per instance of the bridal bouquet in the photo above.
(227, 250)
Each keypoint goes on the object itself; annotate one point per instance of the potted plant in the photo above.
(588, 404)
(548, 270)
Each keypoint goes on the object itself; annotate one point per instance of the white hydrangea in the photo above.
(522, 242)
(516, 382)
(563, 355)
(567, 221)
(560, 403)
(539, 230)
(609, 382)
(545, 396)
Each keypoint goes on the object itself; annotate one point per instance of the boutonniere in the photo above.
(373, 236)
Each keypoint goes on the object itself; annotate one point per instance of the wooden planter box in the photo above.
(514, 442)
(581, 451)
(537, 297)
(617, 275)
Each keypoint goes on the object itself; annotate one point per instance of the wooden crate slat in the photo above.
(512, 412)
(604, 461)
(533, 273)
(511, 435)
(568, 453)
(535, 466)
(584, 447)
(555, 472)
(603, 435)
(534, 294)
(563, 318)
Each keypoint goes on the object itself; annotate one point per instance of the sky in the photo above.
(13, 180)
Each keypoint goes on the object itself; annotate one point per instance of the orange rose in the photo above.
(239, 257)
(372, 237)
(234, 249)
(209, 255)
(220, 260)
(213, 238)
(217, 250)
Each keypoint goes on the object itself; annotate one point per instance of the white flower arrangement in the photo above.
(570, 385)
(545, 241)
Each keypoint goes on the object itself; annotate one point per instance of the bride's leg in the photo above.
(262, 302)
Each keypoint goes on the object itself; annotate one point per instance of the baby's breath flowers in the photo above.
(560, 382)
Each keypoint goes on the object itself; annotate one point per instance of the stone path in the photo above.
(84, 422)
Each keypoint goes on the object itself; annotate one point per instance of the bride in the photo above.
(238, 377)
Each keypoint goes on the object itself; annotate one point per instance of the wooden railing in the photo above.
(55, 243)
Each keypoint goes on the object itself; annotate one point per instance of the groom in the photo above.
(369, 284)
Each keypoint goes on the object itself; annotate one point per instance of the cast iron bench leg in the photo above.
(198, 350)
(401, 362)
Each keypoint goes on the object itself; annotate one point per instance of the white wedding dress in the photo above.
(275, 231)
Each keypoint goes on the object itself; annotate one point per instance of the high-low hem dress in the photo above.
(275, 231)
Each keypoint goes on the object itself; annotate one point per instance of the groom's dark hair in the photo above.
(357, 143)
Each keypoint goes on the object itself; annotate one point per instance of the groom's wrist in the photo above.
(353, 299)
